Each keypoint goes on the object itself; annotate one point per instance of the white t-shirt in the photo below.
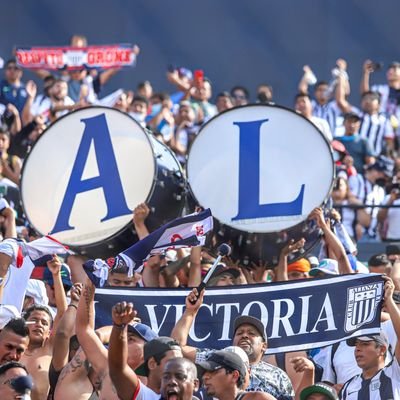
(145, 393)
(16, 279)
(393, 220)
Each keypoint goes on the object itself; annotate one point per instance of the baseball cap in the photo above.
(240, 352)
(327, 266)
(380, 338)
(7, 313)
(222, 269)
(352, 115)
(65, 276)
(143, 331)
(247, 319)
(156, 347)
(321, 388)
(301, 265)
(223, 359)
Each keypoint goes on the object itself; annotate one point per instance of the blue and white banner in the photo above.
(297, 316)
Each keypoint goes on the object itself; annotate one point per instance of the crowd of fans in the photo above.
(49, 347)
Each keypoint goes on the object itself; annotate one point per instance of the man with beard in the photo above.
(249, 335)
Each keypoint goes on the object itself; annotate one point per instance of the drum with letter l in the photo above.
(261, 169)
(86, 174)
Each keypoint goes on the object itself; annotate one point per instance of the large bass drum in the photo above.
(261, 169)
(86, 174)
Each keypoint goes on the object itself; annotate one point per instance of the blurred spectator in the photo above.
(264, 93)
(201, 95)
(138, 109)
(10, 166)
(393, 252)
(145, 89)
(379, 263)
(357, 147)
(303, 106)
(389, 218)
(298, 269)
(389, 92)
(224, 101)
(12, 89)
(240, 96)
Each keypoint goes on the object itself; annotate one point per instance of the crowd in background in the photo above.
(54, 343)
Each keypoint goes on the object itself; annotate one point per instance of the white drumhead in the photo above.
(130, 165)
(293, 154)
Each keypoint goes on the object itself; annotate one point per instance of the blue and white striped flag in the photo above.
(186, 231)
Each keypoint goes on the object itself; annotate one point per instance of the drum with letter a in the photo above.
(87, 173)
(261, 169)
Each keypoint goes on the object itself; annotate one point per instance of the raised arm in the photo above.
(140, 213)
(195, 267)
(54, 266)
(332, 242)
(65, 330)
(181, 330)
(281, 268)
(393, 311)
(90, 342)
(366, 72)
(341, 93)
(304, 81)
(123, 377)
(306, 367)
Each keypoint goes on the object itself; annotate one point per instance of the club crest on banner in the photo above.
(362, 304)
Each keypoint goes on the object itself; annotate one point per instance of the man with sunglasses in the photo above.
(15, 383)
(12, 89)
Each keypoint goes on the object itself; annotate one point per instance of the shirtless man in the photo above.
(96, 353)
(37, 357)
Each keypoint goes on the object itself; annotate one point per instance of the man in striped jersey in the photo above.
(376, 381)
(322, 104)
(375, 125)
(390, 92)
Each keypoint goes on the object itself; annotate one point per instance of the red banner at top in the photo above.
(54, 58)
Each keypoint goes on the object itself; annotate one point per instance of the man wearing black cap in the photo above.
(157, 353)
(377, 381)
(249, 335)
(223, 374)
(356, 146)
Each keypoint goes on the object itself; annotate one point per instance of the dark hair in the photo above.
(300, 95)
(12, 60)
(37, 307)
(224, 94)
(242, 88)
(141, 85)
(240, 381)
(11, 364)
(185, 361)
(378, 259)
(375, 95)
(320, 83)
(141, 99)
(17, 326)
(161, 96)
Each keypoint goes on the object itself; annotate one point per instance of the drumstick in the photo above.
(223, 250)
